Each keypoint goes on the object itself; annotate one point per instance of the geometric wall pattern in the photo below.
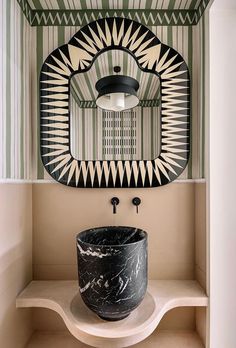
(152, 56)
(20, 111)
(150, 17)
(190, 42)
(150, 12)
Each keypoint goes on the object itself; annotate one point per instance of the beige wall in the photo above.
(15, 262)
(200, 233)
(222, 188)
(200, 253)
(173, 216)
(166, 213)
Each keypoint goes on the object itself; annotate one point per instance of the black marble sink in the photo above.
(112, 269)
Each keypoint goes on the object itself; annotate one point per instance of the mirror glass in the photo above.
(98, 134)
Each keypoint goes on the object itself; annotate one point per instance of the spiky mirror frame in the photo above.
(78, 56)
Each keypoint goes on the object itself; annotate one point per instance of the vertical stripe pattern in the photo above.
(21, 59)
(105, 135)
(114, 4)
(15, 96)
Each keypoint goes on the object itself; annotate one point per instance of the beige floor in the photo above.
(160, 339)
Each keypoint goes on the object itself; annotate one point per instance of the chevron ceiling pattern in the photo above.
(152, 56)
(83, 85)
(82, 12)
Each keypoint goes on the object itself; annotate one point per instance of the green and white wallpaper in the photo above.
(25, 47)
(15, 95)
(103, 135)
(80, 12)
(114, 4)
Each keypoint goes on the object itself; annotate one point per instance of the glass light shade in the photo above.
(117, 102)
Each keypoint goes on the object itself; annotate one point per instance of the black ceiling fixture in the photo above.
(117, 92)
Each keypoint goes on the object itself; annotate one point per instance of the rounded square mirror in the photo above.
(143, 140)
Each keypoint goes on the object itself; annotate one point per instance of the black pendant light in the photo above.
(117, 92)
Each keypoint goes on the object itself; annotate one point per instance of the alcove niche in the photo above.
(177, 260)
(173, 215)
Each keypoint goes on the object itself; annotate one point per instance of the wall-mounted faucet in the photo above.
(115, 201)
(136, 201)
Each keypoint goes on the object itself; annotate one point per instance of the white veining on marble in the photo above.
(89, 252)
(124, 286)
(85, 287)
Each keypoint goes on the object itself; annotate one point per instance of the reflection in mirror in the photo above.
(97, 134)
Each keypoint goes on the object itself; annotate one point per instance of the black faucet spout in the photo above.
(115, 201)
(136, 201)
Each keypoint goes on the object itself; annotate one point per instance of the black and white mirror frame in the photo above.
(151, 56)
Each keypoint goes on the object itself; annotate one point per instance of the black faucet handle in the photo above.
(136, 201)
(115, 201)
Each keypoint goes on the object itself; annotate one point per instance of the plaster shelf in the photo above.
(63, 297)
(159, 339)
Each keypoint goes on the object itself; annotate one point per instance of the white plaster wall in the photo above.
(222, 169)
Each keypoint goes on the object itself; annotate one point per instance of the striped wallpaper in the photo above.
(15, 76)
(105, 135)
(114, 4)
(84, 84)
(81, 12)
(23, 50)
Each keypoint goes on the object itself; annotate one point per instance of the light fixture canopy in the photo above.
(117, 93)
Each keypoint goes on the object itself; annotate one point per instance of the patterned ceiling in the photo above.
(82, 12)
(114, 4)
(83, 84)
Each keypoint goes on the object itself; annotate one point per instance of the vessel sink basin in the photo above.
(112, 269)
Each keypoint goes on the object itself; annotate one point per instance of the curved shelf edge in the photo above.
(89, 329)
